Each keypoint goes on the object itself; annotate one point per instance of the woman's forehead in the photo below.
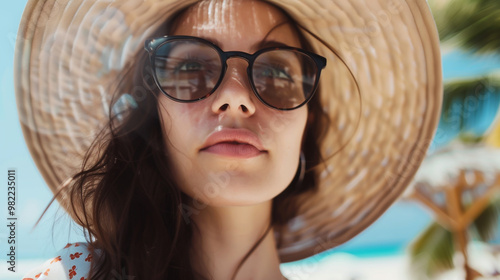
(233, 21)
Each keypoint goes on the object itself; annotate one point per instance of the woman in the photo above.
(218, 133)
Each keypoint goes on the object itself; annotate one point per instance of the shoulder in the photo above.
(71, 262)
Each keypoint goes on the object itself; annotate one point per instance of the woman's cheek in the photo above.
(285, 127)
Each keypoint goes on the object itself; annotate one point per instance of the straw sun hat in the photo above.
(70, 53)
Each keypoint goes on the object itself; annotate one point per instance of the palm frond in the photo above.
(473, 24)
(469, 138)
(467, 101)
(485, 225)
(432, 252)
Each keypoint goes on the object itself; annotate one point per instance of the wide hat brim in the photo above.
(70, 53)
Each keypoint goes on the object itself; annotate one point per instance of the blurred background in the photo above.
(444, 227)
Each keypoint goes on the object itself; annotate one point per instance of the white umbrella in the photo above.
(457, 184)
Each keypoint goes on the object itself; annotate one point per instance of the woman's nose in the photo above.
(235, 94)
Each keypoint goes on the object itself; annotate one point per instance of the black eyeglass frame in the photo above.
(151, 45)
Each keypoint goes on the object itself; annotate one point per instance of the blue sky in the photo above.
(32, 194)
(399, 225)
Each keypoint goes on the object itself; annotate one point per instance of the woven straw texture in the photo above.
(69, 54)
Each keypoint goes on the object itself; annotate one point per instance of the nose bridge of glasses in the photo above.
(235, 54)
(243, 55)
(237, 67)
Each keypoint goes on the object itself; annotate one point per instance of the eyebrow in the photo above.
(257, 46)
(268, 44)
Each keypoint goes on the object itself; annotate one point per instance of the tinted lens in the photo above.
(284, 78)
(187, 69)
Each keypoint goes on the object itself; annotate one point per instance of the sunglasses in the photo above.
(189, 69)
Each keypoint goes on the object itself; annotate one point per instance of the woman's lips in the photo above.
(233, 142)
(233, 149)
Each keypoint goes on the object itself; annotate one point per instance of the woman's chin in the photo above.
(219, 194)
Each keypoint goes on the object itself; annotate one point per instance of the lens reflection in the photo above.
(187, 70)
(284, 78)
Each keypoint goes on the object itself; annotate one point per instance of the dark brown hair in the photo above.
(126, 197)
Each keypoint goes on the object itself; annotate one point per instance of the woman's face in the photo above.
(231, 149)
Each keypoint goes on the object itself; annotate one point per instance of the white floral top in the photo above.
(72, 262)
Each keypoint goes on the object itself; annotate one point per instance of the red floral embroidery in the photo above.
(76, 255)
(72, 272)
(56, 259)
(77, 259)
